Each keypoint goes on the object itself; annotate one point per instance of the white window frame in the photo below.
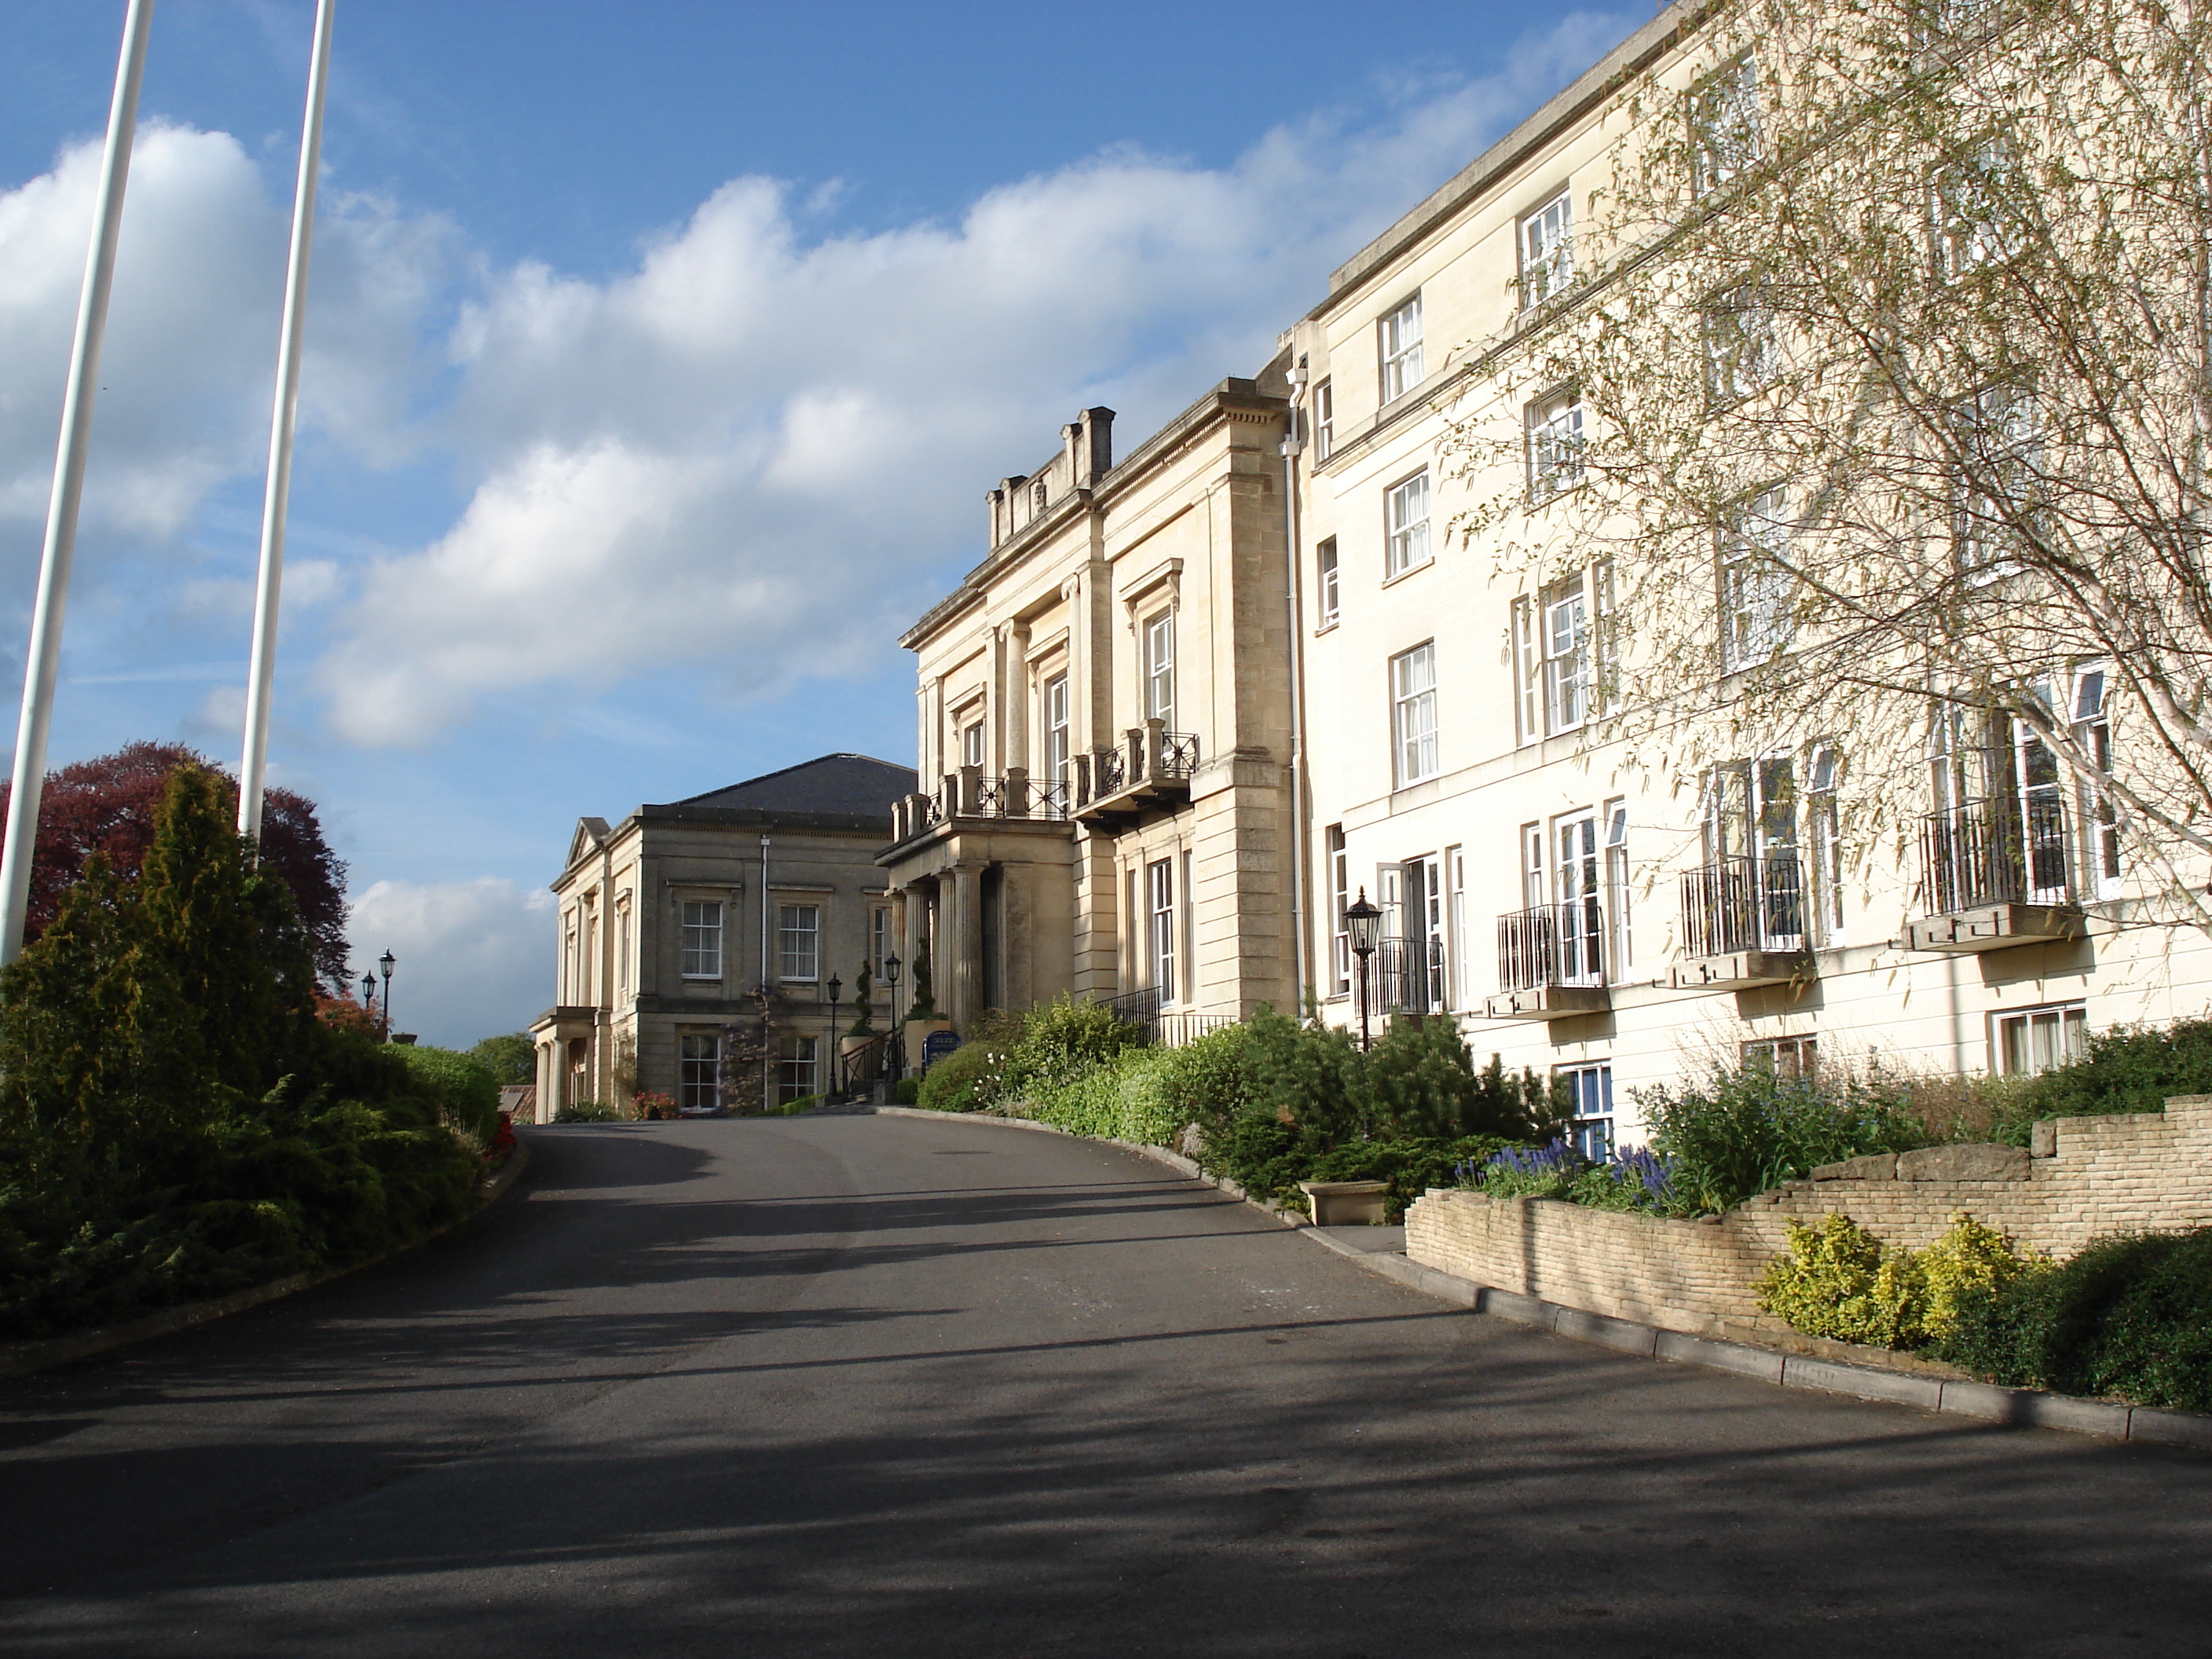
(972, 751)
(2000, 433)
(621, 944)
(1965, 213)
(1327, 582)
(2037, 1038)
(1460, 986)
(1340, 885)
(1618, 878)
(1792, 1058)
(701, 938)
(1757, 587)
(1547, 251)
(1058, 725)
(1578, 896)
(698, 1071)
(1160, 926)
(880, 940)
(2090, 717)
(1735, 329)
(1823, 852)
(1414, 746)
(798, 942)
(1724, 125)
(1566, 638)
(1555, 444)
(1398, 336)
(1324, 420)
(1589, 1090)
(1159, 667)
(1405, 525)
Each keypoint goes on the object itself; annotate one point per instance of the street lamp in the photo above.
(1362, 920)
(830, 1061)
(387, 962)
(897, 1042)
(369, 992)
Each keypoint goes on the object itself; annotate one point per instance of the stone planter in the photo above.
(1346, 1203)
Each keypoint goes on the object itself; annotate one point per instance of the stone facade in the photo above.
(2087, 1177)
(1105, 732)
(669, 961)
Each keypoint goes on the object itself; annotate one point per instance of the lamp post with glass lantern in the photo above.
(387, 962)
(1362, 920)
(896, 1042)
(369, 994)
(830, 1060)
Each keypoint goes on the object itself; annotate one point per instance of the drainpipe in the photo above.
(1294, 599)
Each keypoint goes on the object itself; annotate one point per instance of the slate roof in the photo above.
(855, 785)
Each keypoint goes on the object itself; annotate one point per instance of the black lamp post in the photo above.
(1362, 920)
(387, 962)
(369, 992)
(830, 1060)
(896, 1041)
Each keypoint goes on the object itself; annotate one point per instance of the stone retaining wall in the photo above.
(2082, 1178)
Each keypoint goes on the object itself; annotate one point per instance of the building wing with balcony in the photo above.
(1103, 727)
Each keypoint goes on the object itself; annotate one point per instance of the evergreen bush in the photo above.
(1745, 1131)
(2128, 1068)
(175, 1121)
(466, 1091)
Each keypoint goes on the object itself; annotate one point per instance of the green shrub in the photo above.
(1410, 1165)
(1054, 1043)
(1838, 1282)
(1745, 1131)
(2130, 1316)
(2128, 1068)
(174, 1120)
(906, 1090)
(512, 1057)
(466, 1089)
(966, 1080)
(588, 1111)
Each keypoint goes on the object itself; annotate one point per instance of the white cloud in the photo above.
(473, 958)
(189, 358)
(756, 454)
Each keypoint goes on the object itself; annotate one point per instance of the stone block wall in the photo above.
(2085, 1177)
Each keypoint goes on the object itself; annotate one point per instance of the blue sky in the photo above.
(658, 358)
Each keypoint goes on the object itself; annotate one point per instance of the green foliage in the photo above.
(511, 1058)
(1053, 1044)
(2129, 1317)
(864, 1017)
(464, 1087)
(1422, 1082)
(1410, 1165)
(1745, 1131)
(966, 1080)
(1840, 1282)
(174, 1120)
(2128, 1068)
(906, 1090)
(588, 1111)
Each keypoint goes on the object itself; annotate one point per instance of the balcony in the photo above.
(1551, 962)
(969, 793)
(1996, 873)
(1163, 1030)
(1743, 924)
(1152, 766)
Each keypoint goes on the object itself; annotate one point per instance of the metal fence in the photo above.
(1998, 852)
(1744, 903)
(1551, 945)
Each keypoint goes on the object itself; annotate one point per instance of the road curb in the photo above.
(44, 1353)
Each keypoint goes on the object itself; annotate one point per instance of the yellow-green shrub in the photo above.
(1840, 1282)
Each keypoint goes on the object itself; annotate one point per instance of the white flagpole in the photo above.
(253, 770)
(45, 651)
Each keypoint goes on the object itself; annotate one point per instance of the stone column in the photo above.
(966, 945)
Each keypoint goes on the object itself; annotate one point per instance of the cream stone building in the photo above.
(1140, 784)
(686, 925)
(1606, 924)
(1105, 732)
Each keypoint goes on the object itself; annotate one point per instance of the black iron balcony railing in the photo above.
(1744, 903)
(1407, 975)
(1149, 757)
(2012, 851)
(1551, 945)
(1109, 773)
(1162, 1029)
(1178, 755)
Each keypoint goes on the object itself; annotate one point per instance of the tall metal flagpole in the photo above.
(253, 770)
(45, 651)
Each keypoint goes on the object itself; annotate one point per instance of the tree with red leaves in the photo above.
(106, 805)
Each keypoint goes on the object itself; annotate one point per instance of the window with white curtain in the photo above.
(1547, 250)
(1413, 713)
(1401, 343)
(1407, 525)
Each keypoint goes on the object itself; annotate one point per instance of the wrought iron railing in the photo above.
(1744, 903)
(1551, 945)
(2014, 851)
(1049, 798)
(1178, 754)
(1137, 1007)
(1109, 773)
(1406, 975)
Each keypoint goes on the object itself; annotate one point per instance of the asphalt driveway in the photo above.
(881, 1386)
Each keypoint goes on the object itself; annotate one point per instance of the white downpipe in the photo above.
(253, 770)
(44, 659)
(1293, 443)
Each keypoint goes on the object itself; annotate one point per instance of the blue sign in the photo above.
(936, 1046)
